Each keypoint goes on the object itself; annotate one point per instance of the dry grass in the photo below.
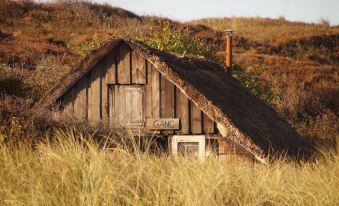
(302, 91)
(71, 169)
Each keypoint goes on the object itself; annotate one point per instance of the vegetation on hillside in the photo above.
(71, 169)
(271, 32)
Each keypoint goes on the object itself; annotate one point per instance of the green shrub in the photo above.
(252, 81)
(87, 47)
(173, 40)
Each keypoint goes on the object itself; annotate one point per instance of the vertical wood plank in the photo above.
(138, 68)
(134, 106)
(80, 99)
(183, 112)
(124, 64)
(68, 109)
(118, 111)
(148, 91)
(108, 74)
(196, 120)
(155, 87)
(94, 97)
(120, 107)
(208, 124)
(111, 103)
(104, 99)
(109, 63)
(121, 100)
(167, 98)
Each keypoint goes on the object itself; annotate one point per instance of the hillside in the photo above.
(292, 66)
(268, 31)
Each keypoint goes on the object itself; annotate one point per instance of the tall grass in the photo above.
(71, 169)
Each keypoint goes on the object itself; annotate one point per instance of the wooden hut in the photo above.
(191, 101)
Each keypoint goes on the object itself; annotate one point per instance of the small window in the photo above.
(188, 148)
(189, 145)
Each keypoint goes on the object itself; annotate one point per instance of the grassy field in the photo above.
(71, 169)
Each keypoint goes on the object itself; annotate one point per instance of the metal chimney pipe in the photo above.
(229, 60)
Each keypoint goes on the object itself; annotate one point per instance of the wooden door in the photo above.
(126, 106)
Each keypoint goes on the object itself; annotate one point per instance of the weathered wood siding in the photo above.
(111, 93)
(80, 99)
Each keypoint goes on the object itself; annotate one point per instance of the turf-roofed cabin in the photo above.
(192, 102)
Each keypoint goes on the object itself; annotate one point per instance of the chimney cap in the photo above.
(229, 30)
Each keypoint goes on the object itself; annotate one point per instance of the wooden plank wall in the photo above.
(124, 64)
(80, 99)
(89, 98)
(183, 111)
(152, 92)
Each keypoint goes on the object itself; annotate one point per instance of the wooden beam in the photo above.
(138, 69)
(109, 67)
(196, 120)
(183, 112)
(94, 97)
(68, 102)
(167, 98)
(124, 64)
(108, 74)
(80, 99)
(155, 87)
(111, 103)
(148, 91)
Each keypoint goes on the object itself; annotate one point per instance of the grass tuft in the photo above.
(71, 169)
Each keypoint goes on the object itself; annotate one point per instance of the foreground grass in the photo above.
(73, 171)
